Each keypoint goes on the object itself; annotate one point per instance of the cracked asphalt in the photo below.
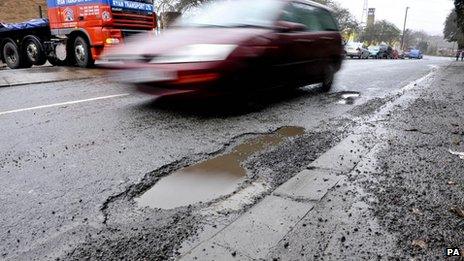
(70, 165)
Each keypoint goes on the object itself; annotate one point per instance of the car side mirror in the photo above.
(287, 27)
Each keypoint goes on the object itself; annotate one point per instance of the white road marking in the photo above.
(64, 103)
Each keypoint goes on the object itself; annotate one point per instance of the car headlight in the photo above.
(197, 53)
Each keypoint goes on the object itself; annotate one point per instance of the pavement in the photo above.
(44, 74)
(76, 153)
(391, 190)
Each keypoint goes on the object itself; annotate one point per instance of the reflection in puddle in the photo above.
(457, 153)
(349, 97)
(212, 178)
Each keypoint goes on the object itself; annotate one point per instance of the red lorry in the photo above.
(76, 32)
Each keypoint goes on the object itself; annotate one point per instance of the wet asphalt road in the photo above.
(68, 147)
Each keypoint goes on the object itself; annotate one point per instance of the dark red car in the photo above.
(236, 46)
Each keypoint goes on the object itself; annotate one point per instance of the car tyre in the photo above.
(82, 53)
(329, 76)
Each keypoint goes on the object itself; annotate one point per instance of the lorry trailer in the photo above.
(75, 33)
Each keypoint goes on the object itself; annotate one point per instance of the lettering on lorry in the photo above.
(74, 2)
(132, 5)
(89, 10)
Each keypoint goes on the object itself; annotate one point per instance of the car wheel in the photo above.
(329, 76)
(33, 51)
(13, 57)
(82, 53)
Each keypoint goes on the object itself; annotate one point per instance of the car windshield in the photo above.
(256, 13)
(375, 48)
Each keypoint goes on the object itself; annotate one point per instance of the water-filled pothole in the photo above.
(213, 178)
(349, 97)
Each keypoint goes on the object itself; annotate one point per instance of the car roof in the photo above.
(310, 3)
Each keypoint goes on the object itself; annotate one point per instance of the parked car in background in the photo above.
(235, 47)
(402, 54)
(415, 54)
(385, 52)
(374, 51)
(356, 49)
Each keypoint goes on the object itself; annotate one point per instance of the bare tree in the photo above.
(459, 4)
(452, 32)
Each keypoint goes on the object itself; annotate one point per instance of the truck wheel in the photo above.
(12, 56)
(55, 61)
(82, 53)
(33, 51)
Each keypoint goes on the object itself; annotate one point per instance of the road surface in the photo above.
(75, 153)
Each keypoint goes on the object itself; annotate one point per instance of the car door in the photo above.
(296, 47)
(318, 44)
(330, 41)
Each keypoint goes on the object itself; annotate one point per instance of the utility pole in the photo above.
(364, 18)
(404, 28)
(364, 14)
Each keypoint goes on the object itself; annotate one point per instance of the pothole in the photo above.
(212, 178)
(348, 97)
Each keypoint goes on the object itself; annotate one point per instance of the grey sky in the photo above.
(427, 15)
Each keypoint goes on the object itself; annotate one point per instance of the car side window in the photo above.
(291, 14)
(326, 20)
(297, 13)
(314, 18)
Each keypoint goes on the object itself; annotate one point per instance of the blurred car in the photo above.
(374, 51)
(415, 54)
(235, 46)
(385, 52)
(355, 49)
(402, 55)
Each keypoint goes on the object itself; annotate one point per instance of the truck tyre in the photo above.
(82, 53)
(55, 61)
(13, 57)
(33, 51)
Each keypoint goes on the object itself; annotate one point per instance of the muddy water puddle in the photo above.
(212, 178)
(349, 97)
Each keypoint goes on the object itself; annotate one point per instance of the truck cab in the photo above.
(90, 26)
(76, 32)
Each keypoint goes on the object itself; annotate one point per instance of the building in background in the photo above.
(371, 17)
(21, 10)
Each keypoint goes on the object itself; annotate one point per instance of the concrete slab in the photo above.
(45, 74)
(309, 185)
(344, 156)
(239, 200)
(213, 252)
(261, 228)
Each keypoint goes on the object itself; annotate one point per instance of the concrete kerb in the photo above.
(40, 82)
(255, 233)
